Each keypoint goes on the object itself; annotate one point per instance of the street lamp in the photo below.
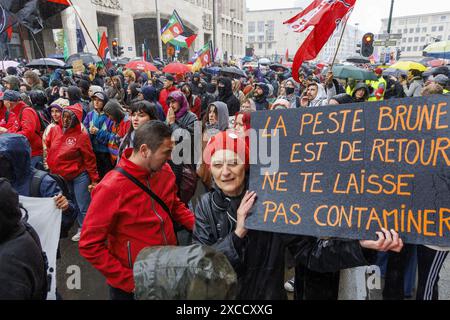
(265, 39)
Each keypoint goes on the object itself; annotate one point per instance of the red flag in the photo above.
(103, 49)
(324, 16)
(287, 55)
(64, 2)
(191, 39)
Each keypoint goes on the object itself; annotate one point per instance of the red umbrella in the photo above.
(436, 63)
(176, 67)
(141, 66)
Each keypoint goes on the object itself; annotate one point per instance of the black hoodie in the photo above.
(226, 95)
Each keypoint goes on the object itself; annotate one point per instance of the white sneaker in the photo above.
(76, 237)
(289, 285)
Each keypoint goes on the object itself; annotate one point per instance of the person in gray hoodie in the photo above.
(316, 96)
(415, 84)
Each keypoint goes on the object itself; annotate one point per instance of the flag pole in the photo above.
(85, 28)
(339, 43)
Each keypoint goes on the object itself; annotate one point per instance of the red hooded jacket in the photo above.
(70, 153)
(11, 123)
(29, 126)
(122, 220)
(163, 98)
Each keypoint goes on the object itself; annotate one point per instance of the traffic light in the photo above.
(359, 50)
(367, 45)
(115, 46)
(120, 51)
(399, 54)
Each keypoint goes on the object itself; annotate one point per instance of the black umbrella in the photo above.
(358, 59)
(234, 72)
(87, 58)
(276, 66)
(438, 70)
(47, 62)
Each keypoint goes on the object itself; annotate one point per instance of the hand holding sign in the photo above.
(244, 209)
(387, 241)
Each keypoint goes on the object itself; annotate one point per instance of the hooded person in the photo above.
(15, 165)
(260, 95)
(182, 124)
(226, 95)
(70, 155)
(116, 91)
(361, 94)
(167, 89)
(23, 273)
(121, 125)
(216, 120)
(11, 83)
(314, 96)
(195, 103)
(290, 89)
(281, 104)
(151, 95)
(208, 97)
(75, 97)
(28, 123)
(96, 122)
(197, 85)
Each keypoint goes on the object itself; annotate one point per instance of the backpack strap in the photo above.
(35, 186)
(146, 190)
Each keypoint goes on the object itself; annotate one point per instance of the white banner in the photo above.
(45, 218)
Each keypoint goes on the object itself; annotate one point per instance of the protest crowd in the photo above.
(106, 144)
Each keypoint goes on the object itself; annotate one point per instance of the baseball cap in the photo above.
(10, 95)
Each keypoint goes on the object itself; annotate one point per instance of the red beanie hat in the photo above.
(227, 140)
(378, 71)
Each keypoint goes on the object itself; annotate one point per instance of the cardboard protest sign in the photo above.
(347, 171)
(78, 66)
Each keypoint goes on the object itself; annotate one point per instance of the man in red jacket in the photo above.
(28, 123)
(123, 219)
(168, 88)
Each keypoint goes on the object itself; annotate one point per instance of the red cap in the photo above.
(227, 140)
(378, 71)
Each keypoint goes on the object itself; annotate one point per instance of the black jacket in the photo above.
(226, 95)
(258, 259)
(22, 267)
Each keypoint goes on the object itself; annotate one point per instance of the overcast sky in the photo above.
(368, 13)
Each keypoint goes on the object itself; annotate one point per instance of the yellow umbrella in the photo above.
(409, 65)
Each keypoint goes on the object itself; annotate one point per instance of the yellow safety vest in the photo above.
(375, 85)
(349, 90)
(446, 91)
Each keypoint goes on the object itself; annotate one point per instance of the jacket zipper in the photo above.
(130, 263)
(162, 223)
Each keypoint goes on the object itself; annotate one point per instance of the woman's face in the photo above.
(174, 105)
(212, 117)
(56, 115)
(246, 106)
(139, 118)
(228, 171)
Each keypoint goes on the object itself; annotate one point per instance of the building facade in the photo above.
(132, 22)
(269, 37)
(418, 31)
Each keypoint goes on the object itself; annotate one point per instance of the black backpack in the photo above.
(43, 123)
(35, 186)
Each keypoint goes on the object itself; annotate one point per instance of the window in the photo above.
(422, 39)
(261, 26)
(424, 19)
(424, 29)
(251, 39)
(260, 46)
(410, 40)
(269, 46)
(402, 21)
(417, 30)
(441, 28)
(416, 39)
(439, 37)
(404, 40)
(414, 48)
(411, 30)
(405, 30)
(399, 31)
(433, 29)
(443, 18)
(408, 49)
(403, 48)
(448, 37)
(260, 38)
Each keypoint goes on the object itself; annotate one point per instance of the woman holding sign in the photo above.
(258, 257)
